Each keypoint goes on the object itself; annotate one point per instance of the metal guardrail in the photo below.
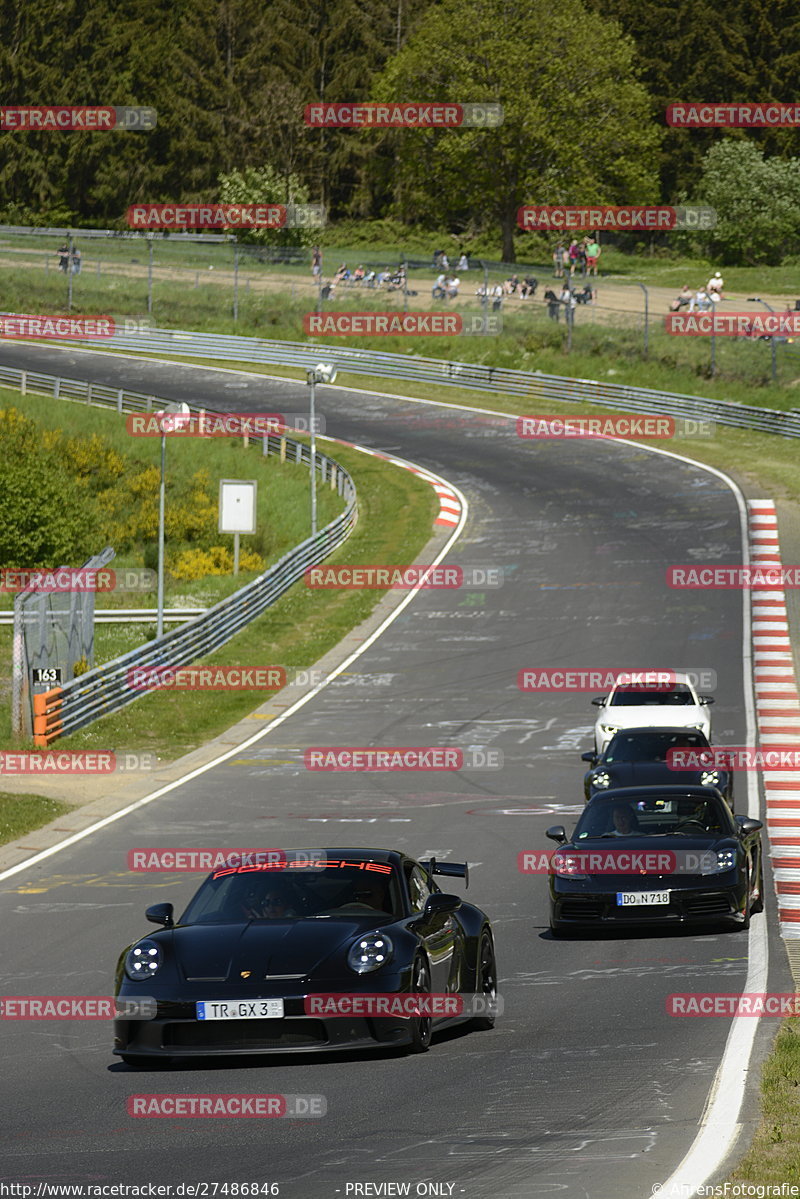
(107, 688)
(473, 376)
(129, 615)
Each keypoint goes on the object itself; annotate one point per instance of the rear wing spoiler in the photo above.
(447, 869)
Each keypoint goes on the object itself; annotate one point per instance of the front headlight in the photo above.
(611, 729)
(143, 960)
(709, 778)
(601, 779)
(370, 953)
(567, 865)
(717, 863)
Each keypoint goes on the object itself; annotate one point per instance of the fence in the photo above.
(106, 688)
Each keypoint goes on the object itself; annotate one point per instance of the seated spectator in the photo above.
(463, 263)
(528, 287)
(452, 289)
(342, 274)
(511, 284)
(701, 302)
(683, 298)
(358, 274)
(369, 279)
(714, 286)
(481, 290)
(587, 296)
(439, 289)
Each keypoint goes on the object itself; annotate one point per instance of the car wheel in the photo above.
(758, 902)
(486, 980)
(421, 1026)
(747, 909)
(556, 929)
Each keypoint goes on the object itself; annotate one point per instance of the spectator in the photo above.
(63, 257)
(558, 261)
(439, 289)
(573, 255)
(567, 298)
(437, 254)
(316, 262)
(463, 262)
(76, 261)
(511, 284)
(528, 287)
(553, 305)
(369, 279)
(342, 274)
(582, 256)
(714, 286)
(592, 254)
(452, 290)
(358, 274)
(445, 262)
(700, 302)
(683, 298)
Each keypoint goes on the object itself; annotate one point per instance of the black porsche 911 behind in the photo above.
(656, 855)
(237, 973)
(638, 758)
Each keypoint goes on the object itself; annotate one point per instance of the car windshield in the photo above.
(237, 895)
(650, 746)
(631, 697)
(689, 815)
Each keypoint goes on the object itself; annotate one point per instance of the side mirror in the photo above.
(557, 833)
(590, 757)
(439, 904)
(600, 701)
(746, 825)
(160, 913)
(706, 699)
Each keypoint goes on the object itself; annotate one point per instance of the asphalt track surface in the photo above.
(586, 1087)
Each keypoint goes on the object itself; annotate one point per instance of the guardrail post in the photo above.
(119, 400)
(56, 389)
(88, 393)
(283, 449)
(265, 445)
(23, 381)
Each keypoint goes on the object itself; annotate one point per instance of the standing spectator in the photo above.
(558, 261)
(582, 256)
(573, 256)
(316, 262)
(592, 254)
(567, 299)
(445, 262)
(76, 261)
(63, 257)
(463, 262)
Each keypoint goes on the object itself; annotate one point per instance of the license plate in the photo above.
(627, 899)
(239, 1009)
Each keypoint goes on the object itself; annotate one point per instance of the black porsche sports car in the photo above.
(656, 855)
(638, 758)
(233, 975)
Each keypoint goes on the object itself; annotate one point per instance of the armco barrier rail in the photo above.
(106, 689)
(537, 386)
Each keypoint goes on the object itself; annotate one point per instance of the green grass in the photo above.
(396, 511)
(774, 1155)
(21, 814)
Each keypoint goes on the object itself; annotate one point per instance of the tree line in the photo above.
(584, 85)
